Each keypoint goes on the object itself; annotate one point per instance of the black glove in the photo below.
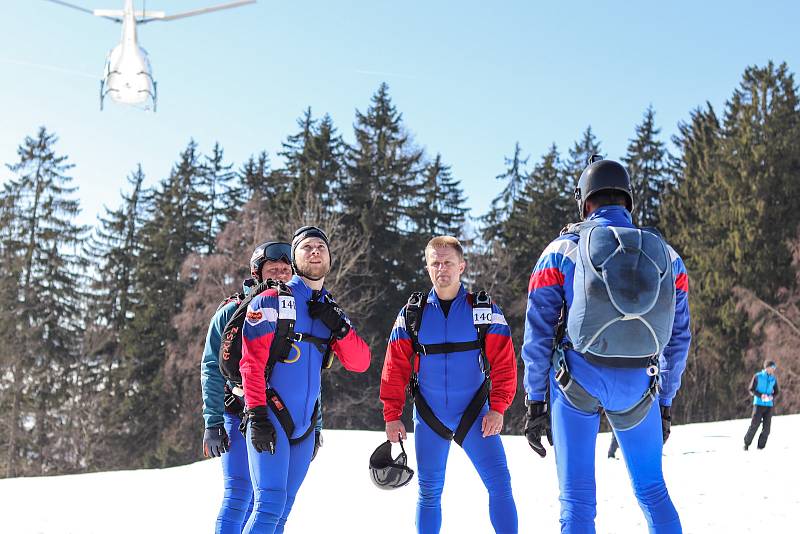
(666, 422)
(262, 433)
(537, 423)
(331, 315)
(317, 443)
(215, 441)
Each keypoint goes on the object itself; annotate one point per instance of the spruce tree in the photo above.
(580, 153)
(441, 210)
(314, 159)
(383, 170)
(761, 165)
(43, 329)
(254, 178)
(514, 176)
(646, 162)
(694, 217)
(174, 230)
(224, 198)
(113, 251)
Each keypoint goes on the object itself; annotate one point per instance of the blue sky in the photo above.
(471, 78)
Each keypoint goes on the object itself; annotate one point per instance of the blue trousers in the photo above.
(237, 502)
(276, 479)
(488, 457)
(574, 440)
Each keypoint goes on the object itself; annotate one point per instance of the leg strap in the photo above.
(426, 413)
(469, 416)
(472, 412)
(575, 393)
(627, 419)
(295, 441)
(586, 402)
(285, 418)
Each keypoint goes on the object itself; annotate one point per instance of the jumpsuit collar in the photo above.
(300, 289)
(613, 215)
(433, 297)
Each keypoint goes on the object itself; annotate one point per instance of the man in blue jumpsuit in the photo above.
(764, 389)
(222, 436)
(450, 376)
(625, 390)
(282, 390)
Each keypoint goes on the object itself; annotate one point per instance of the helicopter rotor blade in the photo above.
(201, 11)
(94, 12)
(73, 6)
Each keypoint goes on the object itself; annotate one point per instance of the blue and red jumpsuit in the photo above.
(575, 431)
(448, 383)
(237, 500)
(277, 477)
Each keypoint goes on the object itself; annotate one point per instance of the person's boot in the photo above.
(746, 446)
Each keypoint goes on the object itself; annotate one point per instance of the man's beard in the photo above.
(314, 271)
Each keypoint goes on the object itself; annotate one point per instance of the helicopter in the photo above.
(128, 76)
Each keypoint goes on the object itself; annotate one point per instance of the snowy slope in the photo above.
(716, 486)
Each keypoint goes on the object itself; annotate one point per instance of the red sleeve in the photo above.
(255, 353)
(395, 376)
(353, 352)
(503, 372)
(257, 333)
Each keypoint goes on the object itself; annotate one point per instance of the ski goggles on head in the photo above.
(389, 473)
(273, 251)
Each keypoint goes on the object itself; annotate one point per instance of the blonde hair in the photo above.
(442, 241)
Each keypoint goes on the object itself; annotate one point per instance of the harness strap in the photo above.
(472, 412)
(233, 404)
(443, 348)
(277, 406)
(482, 316)
(482, 319)
(583, 400)
(284, 330)
(426, 413)
(575, 393)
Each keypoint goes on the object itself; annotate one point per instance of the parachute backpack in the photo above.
(624, 295)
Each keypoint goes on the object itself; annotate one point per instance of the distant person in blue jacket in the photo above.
(764, 388)
(223, 402)
(607, 327)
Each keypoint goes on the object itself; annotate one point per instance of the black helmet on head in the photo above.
(269, 251)
(602, 174)
(389, 473)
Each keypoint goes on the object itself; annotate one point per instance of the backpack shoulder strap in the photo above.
(412, 314)
(236, 297)
(284, 330)
(575, 228)
(482, 314)
(653, 230)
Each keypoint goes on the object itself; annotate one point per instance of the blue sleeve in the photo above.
(545, 300)
(211, 380)
(673, 359)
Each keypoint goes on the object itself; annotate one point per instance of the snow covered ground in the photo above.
(716, 486)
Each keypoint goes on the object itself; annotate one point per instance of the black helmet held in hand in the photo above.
(602, 174)
(389, 473)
